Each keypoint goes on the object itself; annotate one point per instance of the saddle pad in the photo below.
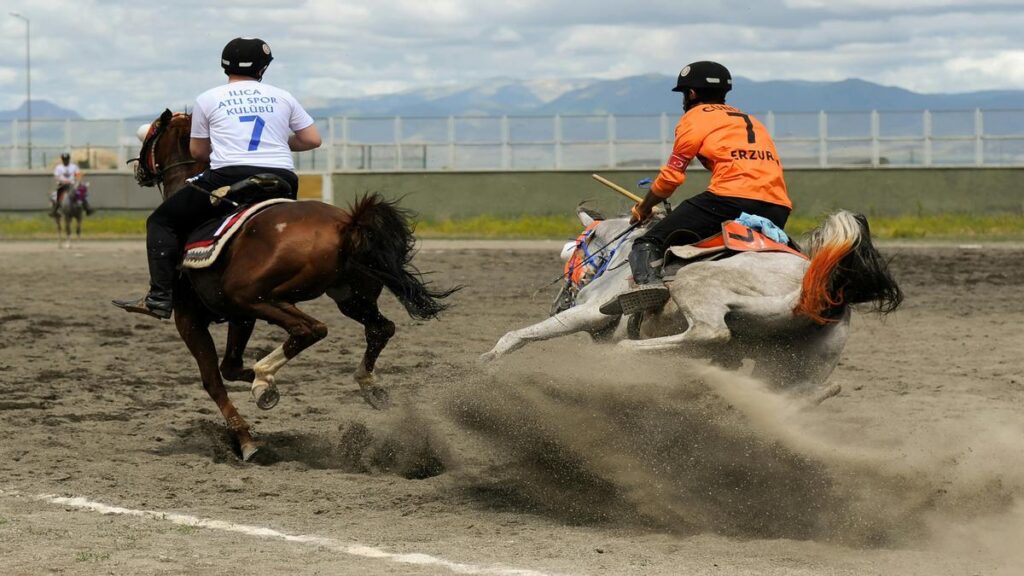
(735, 237)
(205, 244)
(740, 238)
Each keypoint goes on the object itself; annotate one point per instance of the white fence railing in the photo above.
(804, 139)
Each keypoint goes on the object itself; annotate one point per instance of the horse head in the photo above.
(603, 245)
(164, 160)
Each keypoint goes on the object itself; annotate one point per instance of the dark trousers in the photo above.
(702, 215)
(188, 208)
(185, 210)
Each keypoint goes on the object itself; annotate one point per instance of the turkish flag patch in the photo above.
(678, 161)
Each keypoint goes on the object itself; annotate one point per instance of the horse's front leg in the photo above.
(583, 317)
(706, 328)
(194, 330)
(232, 365)
(67, 231)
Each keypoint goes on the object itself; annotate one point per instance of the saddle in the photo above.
(733, 239)
(255, 193)
(207, 242)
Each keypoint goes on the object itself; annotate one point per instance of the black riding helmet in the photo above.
(704, 74)
(65, 156)
(246, 57)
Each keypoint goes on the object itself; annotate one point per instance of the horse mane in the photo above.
(176, 125)
(845, 269)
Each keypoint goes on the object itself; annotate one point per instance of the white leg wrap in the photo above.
(269, 365)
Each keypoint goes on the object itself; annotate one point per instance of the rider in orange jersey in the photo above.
(746, 176)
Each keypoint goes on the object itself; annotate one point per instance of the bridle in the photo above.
(148, 172)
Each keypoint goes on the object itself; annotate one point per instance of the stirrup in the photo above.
(145, 306)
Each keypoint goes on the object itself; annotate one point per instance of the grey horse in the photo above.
(787, 314)
(69, 207)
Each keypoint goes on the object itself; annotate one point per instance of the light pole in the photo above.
(28, 82)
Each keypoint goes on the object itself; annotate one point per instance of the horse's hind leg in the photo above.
(303, 332)
(362, 307)
(196, 333)
(231, 366)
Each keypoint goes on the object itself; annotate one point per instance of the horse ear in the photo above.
(586, 215)
(166, 116)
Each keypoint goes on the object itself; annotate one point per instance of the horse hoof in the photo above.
(248, 451)
(488, 357)
(266, 395)
(377, 397)
(828, 392)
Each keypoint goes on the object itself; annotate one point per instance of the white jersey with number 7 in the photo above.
(248, 124)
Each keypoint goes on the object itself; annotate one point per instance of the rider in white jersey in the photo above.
(66, 176)
(243, 129)
(251, 123)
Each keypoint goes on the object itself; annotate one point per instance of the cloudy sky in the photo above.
(112, 58)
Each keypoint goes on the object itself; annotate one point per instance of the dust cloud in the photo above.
(603, 437)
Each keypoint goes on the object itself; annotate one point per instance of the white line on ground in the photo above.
(350, 548)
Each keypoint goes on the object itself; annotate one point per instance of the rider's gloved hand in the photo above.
(638, 213)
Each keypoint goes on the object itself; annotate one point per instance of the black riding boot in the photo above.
(647, 292)
(162, 253)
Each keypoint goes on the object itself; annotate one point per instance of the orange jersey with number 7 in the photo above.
(734, 146)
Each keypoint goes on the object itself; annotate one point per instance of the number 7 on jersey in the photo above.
(257, 130)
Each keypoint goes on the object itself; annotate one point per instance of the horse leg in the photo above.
(194, 330)
(231, 366)
(706, 327)
(363, 309)
(303, 332)
(577, 319)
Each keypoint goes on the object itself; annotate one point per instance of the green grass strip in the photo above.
(101, 225)
(997, 227)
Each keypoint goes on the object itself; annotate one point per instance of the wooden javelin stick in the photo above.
(617, 188)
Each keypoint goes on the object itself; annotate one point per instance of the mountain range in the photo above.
(651, 94)
(646, 94)
(40, 109)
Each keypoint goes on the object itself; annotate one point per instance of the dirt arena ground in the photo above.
(566, 458)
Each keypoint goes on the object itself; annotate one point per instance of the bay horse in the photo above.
(288, 253)
(788, 314)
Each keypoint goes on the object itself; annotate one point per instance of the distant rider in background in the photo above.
(66, 176)
(243, 128)
(746, 176)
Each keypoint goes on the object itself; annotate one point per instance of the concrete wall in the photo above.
(441, 195)
(31, 191)
(889, 192)
(25, 191)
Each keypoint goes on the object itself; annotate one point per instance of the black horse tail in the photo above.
(845, 269)
(379, 239)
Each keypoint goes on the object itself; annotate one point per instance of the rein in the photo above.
(621, 238)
